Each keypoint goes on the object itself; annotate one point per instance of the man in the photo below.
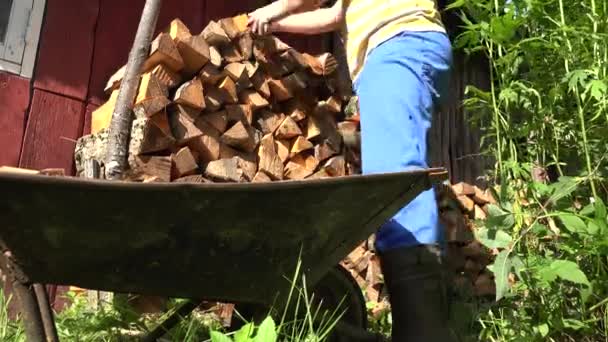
(399, 58)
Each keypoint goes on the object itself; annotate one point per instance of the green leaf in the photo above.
(501, 268)
(499, 218)
(597, 89)
(267, 331)
(570, 271)
(600, 213)
(574, 324)
(244, 334)
(543, 329)
(573, 223)
(564, 187)
(493, 238)
(217, 336)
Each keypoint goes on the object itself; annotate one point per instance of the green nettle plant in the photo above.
(545, 122)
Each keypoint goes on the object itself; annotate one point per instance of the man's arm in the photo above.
(261, 19)
(313, 22)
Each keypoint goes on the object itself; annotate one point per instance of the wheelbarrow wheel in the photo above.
(339, 291)
(336, 291)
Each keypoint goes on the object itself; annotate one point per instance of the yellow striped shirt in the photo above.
(371, 22)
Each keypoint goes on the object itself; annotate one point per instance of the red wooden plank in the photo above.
(116, 28)
(14, 99)
(54, 124)
(66, 47)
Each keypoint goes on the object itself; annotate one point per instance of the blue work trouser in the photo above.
(401, 84)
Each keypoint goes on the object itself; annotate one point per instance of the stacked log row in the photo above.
(225, 105)
(466, 258)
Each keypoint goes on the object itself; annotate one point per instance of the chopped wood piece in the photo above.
(115, 80)
(231, 54)
(466, 203)
(161, 120)
(241, 23)
(306, 160)
(254, 99)
(313, 128)
(249, 162)
(295, 82)
(185, 164)
(211, 75)
(479, 213)
(167, 76)
(463, 188)
(151, 97)
(228, 88)
(146, 137)
(296, 109)
(320, 174)
(239, 113)
(336, 166)
(484, 286)
(266, 46)
(261, 177)
(178, 30)
(235, 70)
(347, 127)
(215, 58)
(164, 50)
(192, 179)
(300, 144)
(279, 90)
(181, 119)
(268, 121)
(296, 171)
(324, 151)
(288, 129)
(297, 58)
(328, 63)
(456, 227)
(269, 161)
(230, 27)
(218, 120)
(191, 94)
(243, 84)
(333, 104)
(214, 34)
(102, 116)
(246, 46)
(261, 83)
(142, 167)
(240, 136)
(227, 170)
(282, 147)
(11, 169)
(53, 172)
(207, 145)
(482, 197)
(195, 53)
(214, 99)
(314, 64)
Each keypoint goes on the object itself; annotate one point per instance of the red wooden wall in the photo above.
(82, 44)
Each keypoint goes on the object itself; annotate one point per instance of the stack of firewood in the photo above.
(227, 106)
(467, 260)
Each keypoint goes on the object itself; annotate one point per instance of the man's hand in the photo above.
(260, 19)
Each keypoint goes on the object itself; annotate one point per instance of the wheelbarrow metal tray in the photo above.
(234, 242)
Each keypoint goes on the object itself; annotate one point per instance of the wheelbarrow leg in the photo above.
(32, 321)
(46, 313)
(172, 321)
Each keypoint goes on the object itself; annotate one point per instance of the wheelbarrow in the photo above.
(231, 243)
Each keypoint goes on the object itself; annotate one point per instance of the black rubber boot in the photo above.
(416, 285)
